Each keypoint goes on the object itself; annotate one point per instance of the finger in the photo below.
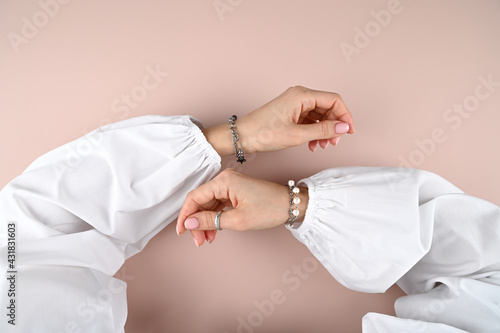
(205, 220)
(312, 116)
(323, 143)
(320, 114)
(325, 129)
(348, 119)
(216, 206)
(203, 197)
(307, 120)
(328, 101)
(198, 237)
(210, 235)
(313, 145)
(334, 141)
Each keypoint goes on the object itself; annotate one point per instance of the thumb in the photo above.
(324, 129)
(205, 220)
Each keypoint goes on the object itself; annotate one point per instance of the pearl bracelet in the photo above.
(236, 141)
(293, 212)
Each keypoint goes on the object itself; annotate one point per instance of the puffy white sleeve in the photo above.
(373, 227)
(78, 212)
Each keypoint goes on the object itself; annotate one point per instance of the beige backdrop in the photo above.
(422, 79)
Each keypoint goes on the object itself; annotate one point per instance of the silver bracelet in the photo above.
(236, 141)
(293, 212)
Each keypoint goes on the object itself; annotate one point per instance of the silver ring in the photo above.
(217, 220)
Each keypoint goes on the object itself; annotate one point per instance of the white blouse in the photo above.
(77, 213)
(373, 227)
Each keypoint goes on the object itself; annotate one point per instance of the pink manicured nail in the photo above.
(341, 128)
(196, 242)
(177, 229)
(336, 140)
(192, 223)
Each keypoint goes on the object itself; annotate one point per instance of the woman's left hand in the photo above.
(257, 204)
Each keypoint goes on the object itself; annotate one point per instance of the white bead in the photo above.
(295, 212)
(296, 200)
(296, 190)
(291, 183)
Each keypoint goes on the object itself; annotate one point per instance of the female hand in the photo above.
(297, 116)
(257, 204)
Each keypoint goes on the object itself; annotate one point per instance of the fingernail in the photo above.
(327, 143)
(341, 128)
(196, 242)
(336, 141)
(208, 240)
(177, 229)
(192, 223)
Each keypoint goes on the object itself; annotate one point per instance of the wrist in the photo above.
(246, 135)
(220, 138)
(295, 205)
(304, 202)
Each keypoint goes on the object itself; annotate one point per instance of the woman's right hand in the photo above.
(257, 204)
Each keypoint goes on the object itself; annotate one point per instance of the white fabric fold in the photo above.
(83, 208)
(379, 323)
(373, 227)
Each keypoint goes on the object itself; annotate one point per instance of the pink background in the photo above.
(66, 76)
